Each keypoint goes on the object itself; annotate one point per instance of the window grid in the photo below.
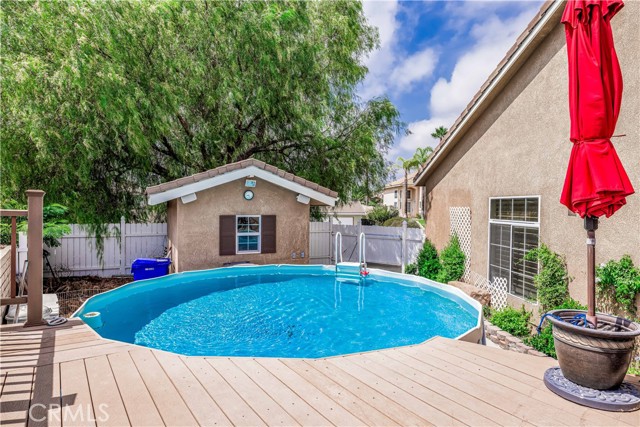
(248, 234)
(513, 231)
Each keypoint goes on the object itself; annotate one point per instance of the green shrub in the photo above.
(619, 281)
(570, 304)
(397, 222)
(516, 322)
(486, 312)
(552, 281)
(428, 262)
(543, 342)
(411, 269)
(452, 259)
(380, 214)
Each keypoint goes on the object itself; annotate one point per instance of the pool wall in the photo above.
(474, 335)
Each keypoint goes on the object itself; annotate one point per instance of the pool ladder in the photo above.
(348, 267)
(350, 272)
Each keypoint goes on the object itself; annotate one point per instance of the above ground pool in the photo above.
(280, 311)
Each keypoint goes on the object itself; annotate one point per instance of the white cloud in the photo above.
(420, 136)
(493, 38)
(414, 68)
(390, 68)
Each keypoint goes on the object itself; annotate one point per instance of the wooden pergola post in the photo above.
(34, 255)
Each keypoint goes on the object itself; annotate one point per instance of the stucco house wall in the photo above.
(520, 146)
(392, 199)
(193, 228)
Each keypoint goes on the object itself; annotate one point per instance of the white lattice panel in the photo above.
(498, 290)
(460, 219)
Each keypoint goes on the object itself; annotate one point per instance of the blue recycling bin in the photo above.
(148, 268)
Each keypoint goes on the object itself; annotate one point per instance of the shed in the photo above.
(247, 211)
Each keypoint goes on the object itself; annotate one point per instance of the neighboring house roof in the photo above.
(233, 171)
(541, 25)
(350, 209)
(400, 182)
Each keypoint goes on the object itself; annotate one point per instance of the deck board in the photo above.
(528, 385)
(105, 393)
(172, 407)
(205, 410)
(328, 407)
(300, 410)
(234, 407)
(440, 382)
(78, 407)
(16, 397)
(348, 399)
(141, 409)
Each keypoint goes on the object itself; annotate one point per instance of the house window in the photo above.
(395, 205)
(395, 194)
(408, 194)
(514, 230)
(247, 233)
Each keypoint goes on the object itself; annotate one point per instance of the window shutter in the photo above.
(268, 234)
(227, 235)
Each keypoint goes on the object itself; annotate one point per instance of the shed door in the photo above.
(268, 234)
(227, 234)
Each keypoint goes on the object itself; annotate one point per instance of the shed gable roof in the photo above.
(539, 27)
(233, 171)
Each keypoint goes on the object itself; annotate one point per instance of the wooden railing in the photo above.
(13, 213)
(34, 255)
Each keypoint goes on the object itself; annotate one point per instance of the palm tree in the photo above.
(407, 165)
(440, 132)
(419, 158)
(422, 155)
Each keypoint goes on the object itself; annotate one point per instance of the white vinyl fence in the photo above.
(78, 254)
(384, 245)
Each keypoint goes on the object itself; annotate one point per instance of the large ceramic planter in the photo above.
(594, 358)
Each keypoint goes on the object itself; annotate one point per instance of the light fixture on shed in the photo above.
(191, 197)
(301, 198)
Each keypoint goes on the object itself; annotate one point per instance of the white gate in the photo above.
(384, 245)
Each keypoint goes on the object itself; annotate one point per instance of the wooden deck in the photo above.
(71, 374)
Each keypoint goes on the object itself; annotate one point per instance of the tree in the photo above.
(421, 155)
(101, 99)
(407, 165)
(428, 263)
(439, 132)
(453, 261)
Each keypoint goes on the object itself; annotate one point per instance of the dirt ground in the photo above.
(67, 284)
(73, 291)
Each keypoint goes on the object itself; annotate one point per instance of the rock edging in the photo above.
(506, 341)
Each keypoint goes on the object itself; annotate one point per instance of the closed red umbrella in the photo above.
(596, 183)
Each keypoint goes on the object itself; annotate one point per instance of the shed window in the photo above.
(247, 233)
(514, 229)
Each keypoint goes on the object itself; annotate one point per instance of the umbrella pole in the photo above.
(591, 225)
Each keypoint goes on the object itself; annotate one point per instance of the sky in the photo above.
(435, 55)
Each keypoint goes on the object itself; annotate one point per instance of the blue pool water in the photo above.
(278, 311)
